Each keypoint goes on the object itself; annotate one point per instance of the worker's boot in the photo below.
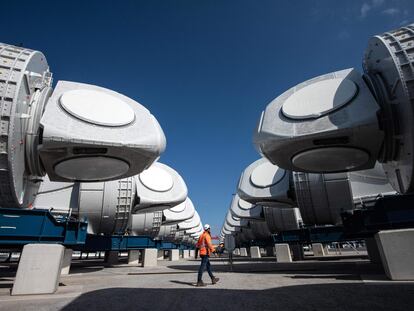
(200, 284)
(214, 280)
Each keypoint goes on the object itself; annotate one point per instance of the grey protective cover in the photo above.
(264, 183)
(150, 199)
(66, 138)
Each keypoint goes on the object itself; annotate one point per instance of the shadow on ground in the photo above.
(351, 296)
(351, 268)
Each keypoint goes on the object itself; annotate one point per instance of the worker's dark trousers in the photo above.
(205, 265)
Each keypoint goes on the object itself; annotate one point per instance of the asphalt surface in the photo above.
(351, 283)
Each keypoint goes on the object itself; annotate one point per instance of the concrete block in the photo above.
(192, 253)
(111, 257)
(270, 251)
(283, 253)
(236, 252)
(160, 254)
(243, 252)
(149, 257)
(317, 249)
(373, 251)
(66, 262)
(397, 253)
(174, 254)
(133, 257)
(186, 254)
(39, 269)
(297, 252)
(255, 252)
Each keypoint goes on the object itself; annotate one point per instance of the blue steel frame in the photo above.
(24, 226)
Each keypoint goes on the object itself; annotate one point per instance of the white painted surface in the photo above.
(320, 98)
(266, 175)
(156, 179)
(244, 204)
(91, 168)
(97, 107)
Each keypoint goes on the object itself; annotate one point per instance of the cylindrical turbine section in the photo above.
(322, 197)
(282, 218)
(107, 205)
(146, 224)
(25, 86)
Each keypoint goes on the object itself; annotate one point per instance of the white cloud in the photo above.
(391, 11)
(365, 8)
(377, 2)
(370, 5)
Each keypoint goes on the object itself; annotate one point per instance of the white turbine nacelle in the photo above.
(320, 197)
(92, 133)
(312, 127)
(179, 213)
(242, 209)
(264, 183)
(74, 132)
(159, 187)
(235, 221)
(189, 223)
(161, 224)
(344, 121)
(195, 230)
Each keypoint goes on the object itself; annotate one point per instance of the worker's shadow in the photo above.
(184, 283)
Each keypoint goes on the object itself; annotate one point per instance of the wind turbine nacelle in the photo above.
(323, 125)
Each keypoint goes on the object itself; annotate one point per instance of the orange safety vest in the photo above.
(204, 244)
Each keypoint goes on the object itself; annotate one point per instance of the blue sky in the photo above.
(205, 69)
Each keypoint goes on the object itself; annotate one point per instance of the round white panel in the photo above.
(178, 208)
(318, 99)
(91, 168)
(97, 107)
(331, 159)
(156, 179)
(244, 205)
(266, 175)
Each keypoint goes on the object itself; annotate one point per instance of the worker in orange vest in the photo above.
(205, 249)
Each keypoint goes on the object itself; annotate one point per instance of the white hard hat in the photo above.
(206, 226)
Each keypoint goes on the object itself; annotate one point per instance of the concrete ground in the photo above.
(352, 283)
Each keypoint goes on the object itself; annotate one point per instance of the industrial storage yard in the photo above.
(321, 284)
(314, 211)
